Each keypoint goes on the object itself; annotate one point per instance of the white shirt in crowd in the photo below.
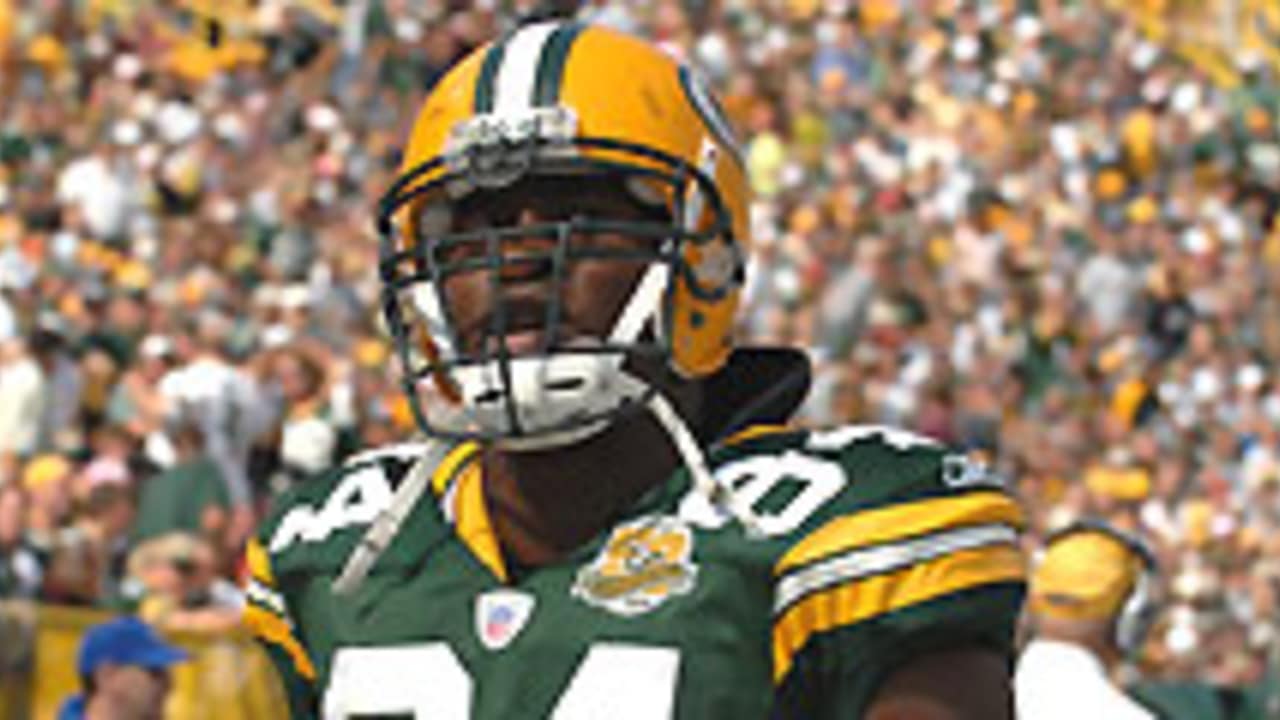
(1058, 680)
(100, 191)
(22, 404)
(229, 409)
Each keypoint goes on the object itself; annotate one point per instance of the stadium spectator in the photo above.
(309, 438)
(175, 583)
(124, 671)
(86, 558)
(59, 423)
(47, 480)
(189, 496)
(22, 404)
(137, 405)
(21, 567)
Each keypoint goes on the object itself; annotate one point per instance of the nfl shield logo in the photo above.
(501, 615)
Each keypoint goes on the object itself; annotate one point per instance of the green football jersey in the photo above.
(868, 546)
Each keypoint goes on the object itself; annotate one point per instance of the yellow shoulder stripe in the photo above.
(274, 629)
(895, 522)
(752, 432)
(866, 598)
(471, 517)
(259, 562)
(448, 468)
(472, 522)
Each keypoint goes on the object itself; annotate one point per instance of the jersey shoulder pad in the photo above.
(857, 468)
(891, 497)
(877, 527)
(314, 526)
(823, 493)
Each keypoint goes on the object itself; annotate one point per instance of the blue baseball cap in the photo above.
(126, 641)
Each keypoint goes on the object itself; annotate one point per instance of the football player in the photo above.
(609, 517)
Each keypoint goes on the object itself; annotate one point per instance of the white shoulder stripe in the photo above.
(514, 83)
(264, 595)
(410, 450)
(865, 562)
(449, 503)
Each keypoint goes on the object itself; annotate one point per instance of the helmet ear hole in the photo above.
(716, 266)
(572, 383)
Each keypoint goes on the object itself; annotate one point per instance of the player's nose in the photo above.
(530, 254)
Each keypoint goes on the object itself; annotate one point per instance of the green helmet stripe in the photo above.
(550, 74)
(488, 75)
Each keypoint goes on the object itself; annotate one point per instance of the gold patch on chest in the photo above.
(643, 564)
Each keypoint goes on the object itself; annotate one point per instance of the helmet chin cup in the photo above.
(542, 402)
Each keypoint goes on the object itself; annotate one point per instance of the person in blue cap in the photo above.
(124, 673)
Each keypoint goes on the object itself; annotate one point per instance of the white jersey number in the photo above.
(617, 681)
(752, 479)
(421, 681)
(363, 492)
(803, 482)
(357, 500)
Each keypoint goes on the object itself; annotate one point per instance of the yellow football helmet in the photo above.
(563, 99)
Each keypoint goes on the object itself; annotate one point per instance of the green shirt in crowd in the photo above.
(175, 499)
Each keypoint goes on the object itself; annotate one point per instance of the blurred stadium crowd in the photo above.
(1017, 226)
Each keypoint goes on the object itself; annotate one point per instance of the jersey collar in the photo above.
(757, 386)
(459, 486)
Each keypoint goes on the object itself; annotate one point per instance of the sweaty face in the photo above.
(530, 274)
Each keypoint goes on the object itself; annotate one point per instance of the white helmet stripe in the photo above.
(514, 83)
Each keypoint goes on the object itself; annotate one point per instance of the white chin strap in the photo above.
(696, 462)
(550, 400)
(568, 390)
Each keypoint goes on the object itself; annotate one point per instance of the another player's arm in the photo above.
(267, 616)
(905, 607)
